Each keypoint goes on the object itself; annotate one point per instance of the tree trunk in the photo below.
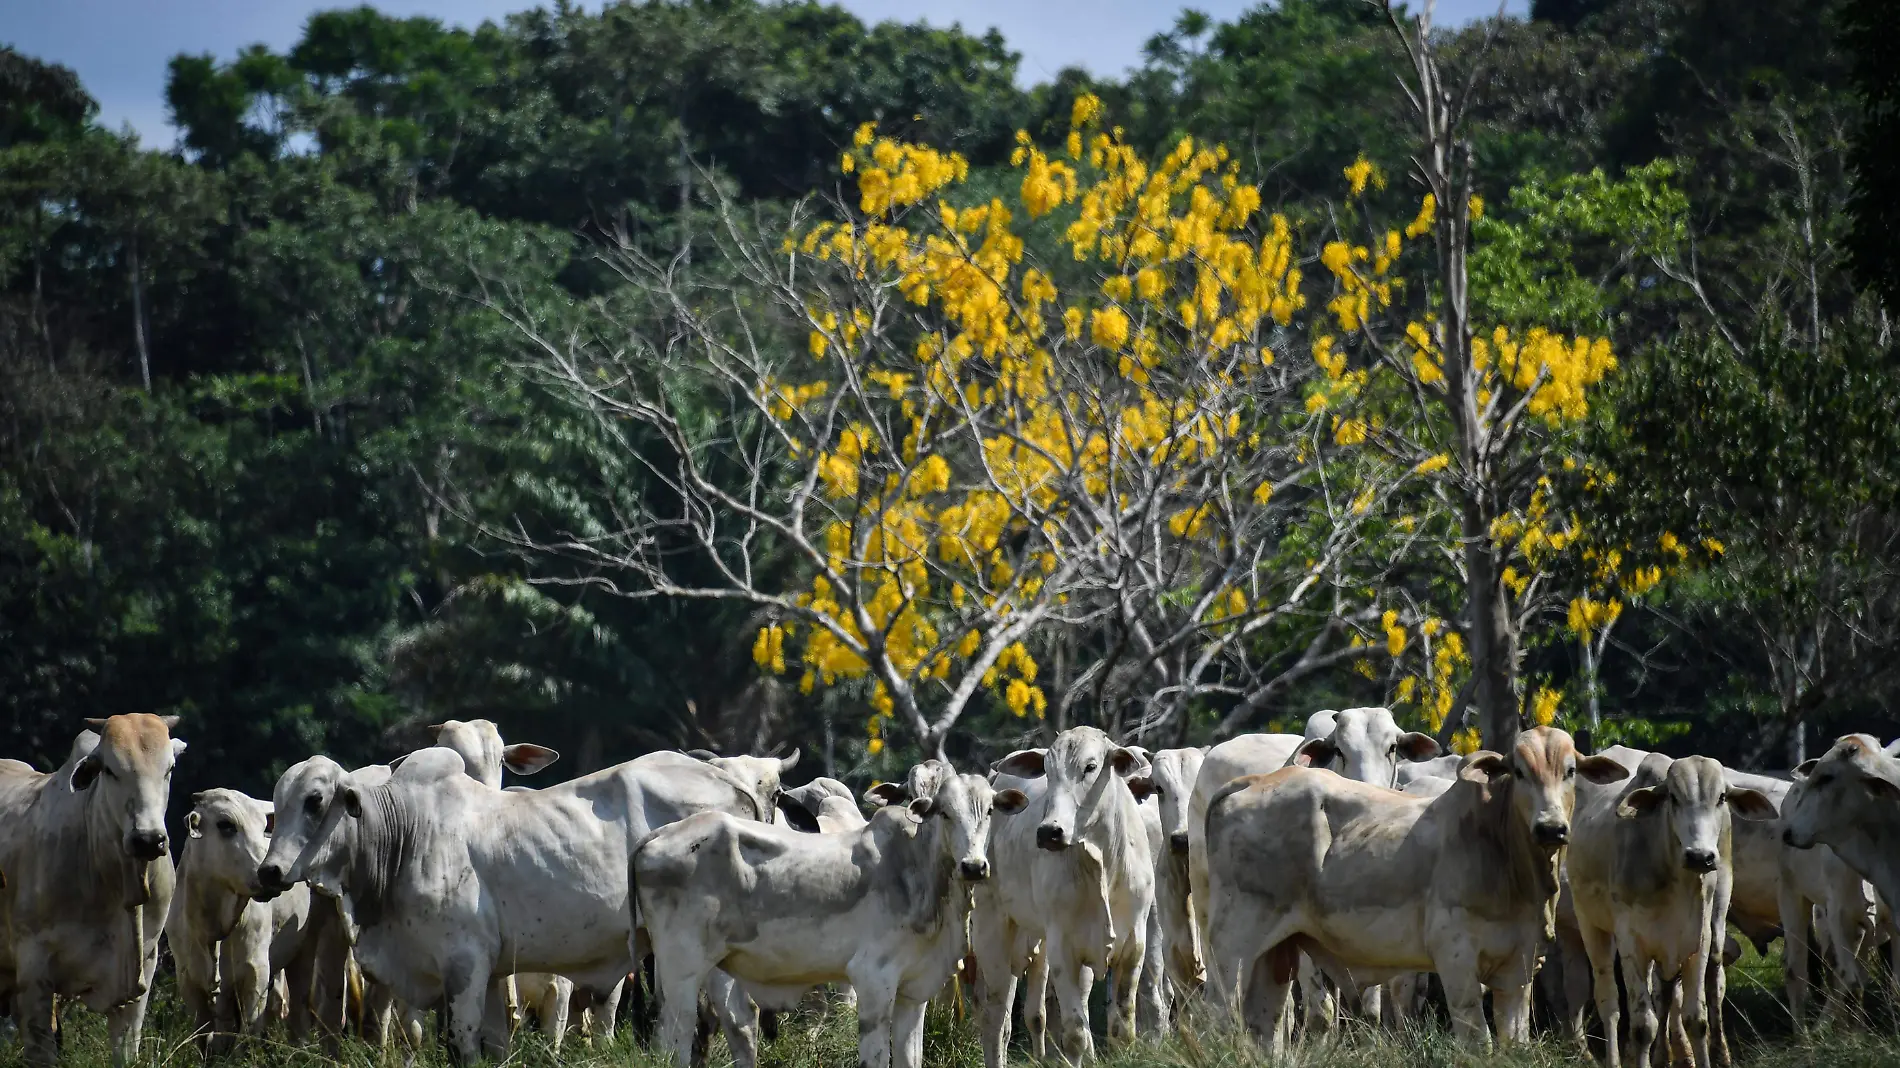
(1797, 742)
(1493, 661)
(138, 311)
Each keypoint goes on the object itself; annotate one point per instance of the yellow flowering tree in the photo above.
(1482, 413)
(920, 449)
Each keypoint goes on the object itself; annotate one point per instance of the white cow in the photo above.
(824, 805)
(1374, 884)
(883, 908)
(87, 880)
(1076, 876)
(1849, 799)
(760, 774)
(448, 883)
(228, 946)
(1170, 782)
(1651, 871)
(484, 754)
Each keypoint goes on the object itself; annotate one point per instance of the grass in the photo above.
(1761, 1035)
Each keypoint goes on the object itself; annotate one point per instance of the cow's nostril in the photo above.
(270, 877)
(1178, 842)
(1698, 859)
(1049, 836)
(975, 870)
(1552, 833)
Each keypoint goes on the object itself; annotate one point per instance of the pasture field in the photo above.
(1761, 1036)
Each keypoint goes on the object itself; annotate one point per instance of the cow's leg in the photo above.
(197, 977)
(1322, 1010)
(1795, 911)
(1715, 995)
(1127, 972)
(125, 1025)
(679, 974)
(555, 1005)
(607, 1012)
(1511, 1007)
(1072, 980)
(994, 983)
(34, 1010)
(738, 1018)
(1847, 928)
(1600, 948)
(907, 1033)
(1036, 1002)
(1151, 1014)
(1692, 997)
(251, 983)
(1464, 994)
(466, 986)
(1263, 998)
(1637, 989)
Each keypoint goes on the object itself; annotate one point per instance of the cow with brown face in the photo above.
(1374, 884)
(88, 879)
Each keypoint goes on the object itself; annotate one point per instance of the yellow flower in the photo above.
(1432, 464)
(1464, 742)
(1088, 108)
(1427, 216)
(1544, 706)
(1108, 327)
(1349, 431)
(1358, 172)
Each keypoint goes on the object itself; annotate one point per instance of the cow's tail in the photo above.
(637, 941)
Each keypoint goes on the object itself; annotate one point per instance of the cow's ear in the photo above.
(352, 802)
(197, 797)
(1313, 753)
(1009, 801)
(1751, 805)
(1143, 787)
(702, 754)
(1130, 761)
(435, 729)
(1483, 766)
(1416, 746)
(526, 758)
(170, 722)
(1641, 802)
(1805, 768)
(86, 771)
(1601, 770)
(1881, 789)
(95, 723)
(797, 816)
(884, 793)
(922, 807)
(178, 748)
(192, 822)
(397, 763)
(787, 763)
(1023, 764)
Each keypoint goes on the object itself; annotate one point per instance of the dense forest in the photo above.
(404, 387)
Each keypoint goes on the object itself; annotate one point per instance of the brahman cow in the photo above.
(1076, 876)
(1651, 871)
(1374, 884)
(484, 754)
(448, 883)
(228, 946)
(87, 880)
(1170, 783)
(883, 908)
(823, 805)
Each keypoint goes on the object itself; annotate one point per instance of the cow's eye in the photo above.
(227, 828)
(1570, 772)
(1091, 769)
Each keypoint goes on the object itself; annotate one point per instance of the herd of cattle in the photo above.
(1354, 861)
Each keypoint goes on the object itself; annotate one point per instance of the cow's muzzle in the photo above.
(1050, 836)
(270, 881)
(146, 845)
(974, 869)
(1789, 838)
(1700, 860)
(1178, 843)
(1551, 833)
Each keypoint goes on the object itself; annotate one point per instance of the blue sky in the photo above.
(120, 47)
